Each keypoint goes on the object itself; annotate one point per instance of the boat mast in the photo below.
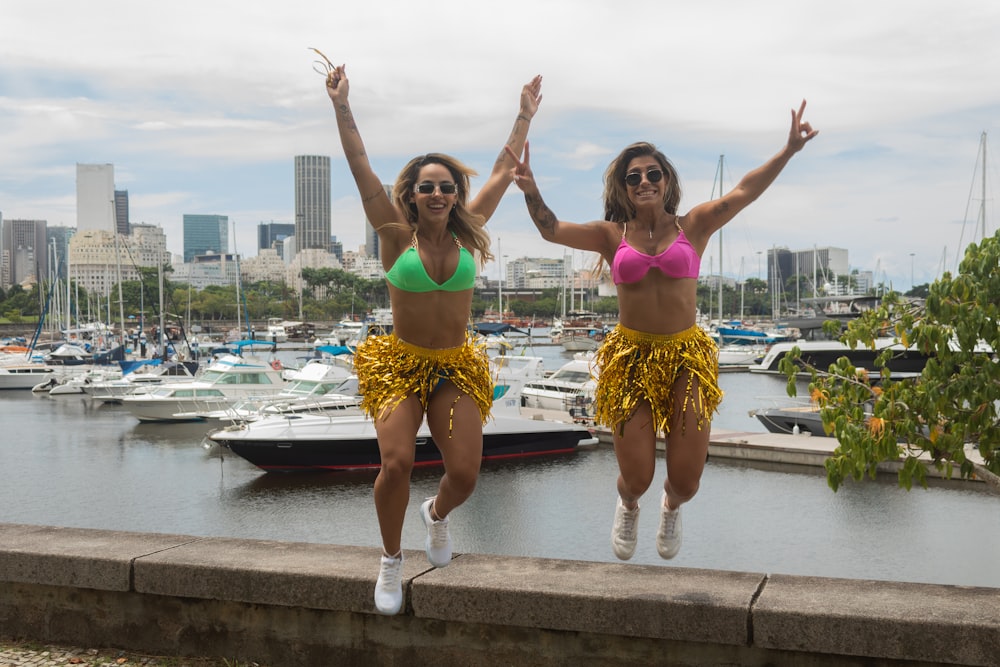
(118, 272)
(161, 343)
(982, 204)
(719, 174)
(239, 323)
(500, 280)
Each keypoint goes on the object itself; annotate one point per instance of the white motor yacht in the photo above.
(227, 380)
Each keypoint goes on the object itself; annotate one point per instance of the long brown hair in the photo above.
(617, 207)
(466, 225)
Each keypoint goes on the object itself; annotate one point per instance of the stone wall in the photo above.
(301, 604)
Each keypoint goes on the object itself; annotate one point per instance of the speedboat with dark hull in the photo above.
(311, 442)
(821, 354)
(792, 420)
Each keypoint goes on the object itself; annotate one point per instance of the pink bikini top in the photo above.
(679, 260)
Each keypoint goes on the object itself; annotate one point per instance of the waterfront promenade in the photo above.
(282, 603)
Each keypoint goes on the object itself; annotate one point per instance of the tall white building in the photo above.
(95, 197)
(312, 202)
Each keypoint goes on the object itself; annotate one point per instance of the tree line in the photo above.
(333, 294)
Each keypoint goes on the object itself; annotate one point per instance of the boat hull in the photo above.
(25, 376)
(822, 354)
(312, 443)
(792, 420)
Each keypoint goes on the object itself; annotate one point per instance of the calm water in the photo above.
(67, 461)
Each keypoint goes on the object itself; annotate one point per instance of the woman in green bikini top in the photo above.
(433, 240)
(409, 275)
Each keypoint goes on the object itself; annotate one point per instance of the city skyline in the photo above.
(198, 118)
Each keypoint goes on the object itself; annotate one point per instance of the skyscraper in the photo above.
(205, 233)
(373, 248)
(121, 212)
(312, 202)
(95, 196)
(269, 232)
(25, 253)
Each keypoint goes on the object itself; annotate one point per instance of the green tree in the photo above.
(950, 407)
(22, 300)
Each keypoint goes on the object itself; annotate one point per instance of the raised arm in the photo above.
(488, 198)
(375, 201)
(591, 236)
(709, 217)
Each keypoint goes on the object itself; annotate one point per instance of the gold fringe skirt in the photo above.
(390, 369)
(634, 366)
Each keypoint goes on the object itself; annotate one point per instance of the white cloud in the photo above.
(202, 105)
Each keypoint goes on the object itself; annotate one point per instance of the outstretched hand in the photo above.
(801, 132)
(337, 85)
(521, 171)
(531, 96)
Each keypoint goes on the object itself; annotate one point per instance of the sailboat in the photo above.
(738, 345)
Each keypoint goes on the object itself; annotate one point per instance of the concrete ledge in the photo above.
(309, 604)
(946, 624)
(317, 576)
(634, 601)
(96, 559)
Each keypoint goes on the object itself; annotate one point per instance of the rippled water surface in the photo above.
(68, 461)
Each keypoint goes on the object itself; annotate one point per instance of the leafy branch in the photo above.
(941, 416)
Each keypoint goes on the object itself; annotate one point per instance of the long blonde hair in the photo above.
(466, 225)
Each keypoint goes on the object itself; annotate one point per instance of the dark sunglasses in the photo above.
(427, 188)
(635, 178)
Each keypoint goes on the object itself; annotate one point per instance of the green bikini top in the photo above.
(408, 272)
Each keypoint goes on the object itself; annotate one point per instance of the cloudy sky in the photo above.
(202, 106)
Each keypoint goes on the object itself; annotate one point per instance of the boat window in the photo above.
(572, 376)
(255, 378)
(209, 393)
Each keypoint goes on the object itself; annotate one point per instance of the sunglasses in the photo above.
(635, 178)
(427, 188)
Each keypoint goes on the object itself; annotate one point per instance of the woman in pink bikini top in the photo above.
(657, 370)
(678, 260)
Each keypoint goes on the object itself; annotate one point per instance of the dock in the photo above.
(777, 448)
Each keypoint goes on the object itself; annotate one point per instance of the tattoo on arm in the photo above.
(721, 208)
(541, 215)
(372, 196)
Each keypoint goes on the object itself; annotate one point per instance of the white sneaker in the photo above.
(389, 586)
(668, 537)
(623, 532)
(438, 543)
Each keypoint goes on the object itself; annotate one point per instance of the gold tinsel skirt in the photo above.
(634, 366)
(390, 369)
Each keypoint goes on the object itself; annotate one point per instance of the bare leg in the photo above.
(635, 449)
(396, 443)
(687, 448)
(457, 429)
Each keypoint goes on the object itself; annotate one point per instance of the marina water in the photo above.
(70, 461)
